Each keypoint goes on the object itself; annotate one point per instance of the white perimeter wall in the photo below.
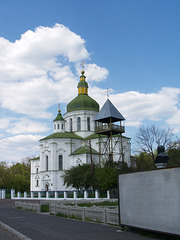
(151, 200)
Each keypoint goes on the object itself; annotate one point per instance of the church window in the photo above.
(46, 163)
(54, 126)
(37, 183)
(78, 124)
(88, 124)
(37, 170)
(71, 126)
(62, 126)
(60, 162)
(58, 126)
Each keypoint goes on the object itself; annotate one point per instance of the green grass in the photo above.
(61, 215)
(19, 207)
(102, 204)
(65, 216)
(45, 208)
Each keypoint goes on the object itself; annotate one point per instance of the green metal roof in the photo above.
(84, 150)
(59, 117)
(37, 158)
(62, 135)
(82, 102)
(82, 84)
(95, 136)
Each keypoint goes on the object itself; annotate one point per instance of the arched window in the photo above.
(60, 162)
(58, 126)
(71, 126)
(46, 163)
(88, 124)
(37, 183)
(37, 170)
(78, 124)
(54, 127)
(62, 126)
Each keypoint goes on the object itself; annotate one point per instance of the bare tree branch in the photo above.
(149, 138)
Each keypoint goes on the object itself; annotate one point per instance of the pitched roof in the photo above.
(59, 117)
(84, 150)
(107, 112)
(62, 135)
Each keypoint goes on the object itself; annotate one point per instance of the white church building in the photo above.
(74, 142)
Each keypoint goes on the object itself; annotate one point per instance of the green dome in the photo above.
(59, 117)
(83, 102)
(82, 84)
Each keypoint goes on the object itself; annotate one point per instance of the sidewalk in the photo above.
(43, 227)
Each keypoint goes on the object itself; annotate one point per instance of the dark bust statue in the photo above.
(162, 157)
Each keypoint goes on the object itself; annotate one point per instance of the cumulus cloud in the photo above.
(94, 72)
(137, 107)
(32, 72)
(4, 123)
(37, 52)
(15, 148)
(24, 125)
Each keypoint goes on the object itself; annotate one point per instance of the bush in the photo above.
(45, 208)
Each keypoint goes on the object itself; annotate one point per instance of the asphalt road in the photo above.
(41, 227)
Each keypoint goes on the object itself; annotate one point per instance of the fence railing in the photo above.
(109, 127)
(59, 195)
(35, 207)
(97, 214)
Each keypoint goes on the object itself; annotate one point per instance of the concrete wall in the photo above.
(151, 200)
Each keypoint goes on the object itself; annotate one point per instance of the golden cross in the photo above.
(59, 107)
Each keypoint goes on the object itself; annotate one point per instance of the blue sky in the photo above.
(130, 47)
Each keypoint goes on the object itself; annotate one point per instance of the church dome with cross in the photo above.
(82, 101)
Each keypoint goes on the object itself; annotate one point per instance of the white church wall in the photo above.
(35, 175)
(83, 114)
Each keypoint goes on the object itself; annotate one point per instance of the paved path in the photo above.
(5, 235)
(42, 227)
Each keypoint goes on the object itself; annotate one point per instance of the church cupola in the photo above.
(59, 122)
(82, 101)
(82, 86)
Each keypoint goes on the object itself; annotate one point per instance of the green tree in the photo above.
(19, 176)
(144, 161)
(174, 154)
(106, 178)
(4, 175)
(79, 177)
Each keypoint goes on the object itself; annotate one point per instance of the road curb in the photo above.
(14, 232)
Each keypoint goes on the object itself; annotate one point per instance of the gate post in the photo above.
(12, 193)
(3, 194)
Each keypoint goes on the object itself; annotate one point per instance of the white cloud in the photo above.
(15, 148)
(32, 74)
(137, 107)
(37, 52)
(94, 72)
(4, 123)
(24, 125)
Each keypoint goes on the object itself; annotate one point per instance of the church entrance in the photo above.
(46, 187)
